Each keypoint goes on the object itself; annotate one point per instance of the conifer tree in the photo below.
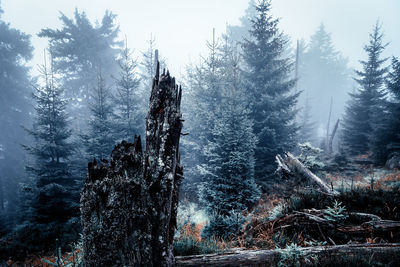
(100, 138)
(387, 140)
(229, 187)
(365, 113)
(268, 79)
(54, 200)
(323, 74)
(393, 85)
(148, 64)
(79, 48)
(130, 116)
(147, 68)
(203, 97)
(15, 109)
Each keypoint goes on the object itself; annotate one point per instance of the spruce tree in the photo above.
(386, 141)
(54, 200)
(393, 86)
(323, 74)
(101, 137)
(79, 48)
(202, 98)
(130, 115)
(15, 109)
(229, 187)
(147, 69)
(364, 115)
(269, 85)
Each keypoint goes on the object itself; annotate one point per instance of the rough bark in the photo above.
(376, 253)
(129, 205)
(291, 168)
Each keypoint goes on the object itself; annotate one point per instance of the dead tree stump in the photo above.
(129, 205)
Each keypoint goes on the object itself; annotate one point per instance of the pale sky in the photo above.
(181, 27)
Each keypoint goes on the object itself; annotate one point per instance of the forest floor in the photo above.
(301, 228)
(358, 227)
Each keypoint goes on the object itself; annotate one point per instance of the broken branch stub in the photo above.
(129, 205)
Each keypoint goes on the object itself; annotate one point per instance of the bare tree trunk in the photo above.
(330, 150)
(328, 125)
(129, 205)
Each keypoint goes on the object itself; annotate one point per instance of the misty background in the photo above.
(349, 22)
(76, 79)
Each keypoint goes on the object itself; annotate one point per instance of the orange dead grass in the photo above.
(193, 230)
(386, 181)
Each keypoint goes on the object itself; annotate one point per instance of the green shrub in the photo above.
(188, 245)
(224, 227)
(335, 213)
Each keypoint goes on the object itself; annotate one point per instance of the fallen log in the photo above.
(319, 226)
(291, 168)
(376, 253)
(372, 227)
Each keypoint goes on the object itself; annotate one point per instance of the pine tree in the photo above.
(79, 48)
(363, 118)
(229, 187)
(386, 141)
(238, 32)
(55, 202)
(323, 74)
(148, 68)
(393, 85)
(203, 98)
(269, 85)
(100, 138)
(128, 99)
(148, 64)
(15, 109)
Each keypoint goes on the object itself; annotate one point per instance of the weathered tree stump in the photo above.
(129, 205)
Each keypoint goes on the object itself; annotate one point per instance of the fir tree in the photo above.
(54, 201)
(229, 187)
(79, 48)
(387, 140)
(100, 138)
(365, 113)
(203, 98)
(147, 68)
(269, 85)
(15, 109)
(130, 114)
(323, 74)
(393, 86)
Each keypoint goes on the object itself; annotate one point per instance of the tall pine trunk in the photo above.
(129, 205)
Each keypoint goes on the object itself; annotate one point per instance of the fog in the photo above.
(260, 78)
(182, 27)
